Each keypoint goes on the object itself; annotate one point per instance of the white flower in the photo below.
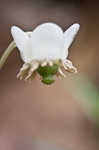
(45, 45)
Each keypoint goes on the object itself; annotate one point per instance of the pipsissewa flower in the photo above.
(44, 51)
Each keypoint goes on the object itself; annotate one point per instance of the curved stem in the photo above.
(6, 54)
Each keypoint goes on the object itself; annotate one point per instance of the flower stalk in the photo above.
(7, 53)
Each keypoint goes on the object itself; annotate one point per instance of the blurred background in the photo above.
(65, 114)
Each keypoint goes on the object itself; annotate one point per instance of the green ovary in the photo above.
(47, 73)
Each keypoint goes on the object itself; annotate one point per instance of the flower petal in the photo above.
(23, 43)
(47, 41)
(69, 36)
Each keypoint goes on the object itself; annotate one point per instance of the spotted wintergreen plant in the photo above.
(43, 50)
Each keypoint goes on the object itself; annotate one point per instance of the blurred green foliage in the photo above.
(87, 95)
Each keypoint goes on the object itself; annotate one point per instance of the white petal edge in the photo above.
(23, 43)
(69, 36)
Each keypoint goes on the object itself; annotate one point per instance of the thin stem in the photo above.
(6, 54)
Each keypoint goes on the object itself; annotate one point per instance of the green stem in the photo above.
(6, 54)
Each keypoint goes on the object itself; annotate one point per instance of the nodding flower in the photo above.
(44, 51)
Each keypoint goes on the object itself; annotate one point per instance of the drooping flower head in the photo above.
(44, 51)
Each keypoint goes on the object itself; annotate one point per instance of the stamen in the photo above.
(44, 63)
(23, 71)
(64, 65)
(32, 76)
(50, 63)
(34, 66)
(61, 73)
(68, 66)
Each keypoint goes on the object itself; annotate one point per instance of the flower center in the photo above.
(47, 69)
